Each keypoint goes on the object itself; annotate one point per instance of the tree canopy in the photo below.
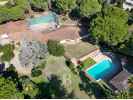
(89, 7)
(55, 48)
(13, 12)
(8, 89)
(127, 47)
(64, 6)
(39, 4)
(111, 26)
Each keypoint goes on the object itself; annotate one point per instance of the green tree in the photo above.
(111, 26)
(7, 51)
(35, 72)
(130, 87)
(55, 48)
(11, 73)
(127, 47)
(122, 95)
(64, 6)
(39, 4)
(89, 7)
(29, 89)
(15, 11)
(8, 90)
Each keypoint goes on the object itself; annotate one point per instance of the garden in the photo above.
(87, 63)
(79, 49)
(51, 74)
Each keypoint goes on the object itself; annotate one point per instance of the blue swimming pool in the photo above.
(101, 69)
(51, 17)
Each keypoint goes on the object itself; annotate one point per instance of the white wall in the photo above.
(126, 6)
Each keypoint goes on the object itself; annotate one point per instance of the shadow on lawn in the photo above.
(129, 65)
(53, 89)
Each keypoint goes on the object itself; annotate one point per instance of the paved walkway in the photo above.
(96, 55)
(19, 30)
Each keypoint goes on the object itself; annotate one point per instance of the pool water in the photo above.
(101, 70)
(51, 17)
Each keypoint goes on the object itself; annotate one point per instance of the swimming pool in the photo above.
(51, 17)
(101, 69)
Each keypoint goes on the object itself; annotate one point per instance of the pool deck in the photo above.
(96, 55)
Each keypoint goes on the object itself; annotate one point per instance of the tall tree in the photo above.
(127, 47)
(64, 6)
(13, 12)
(111, 26)
(39, 4)
(8, 90)
(89, 7)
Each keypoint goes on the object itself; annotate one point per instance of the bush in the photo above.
(11, 68)
(42, 65)
(7, 51)
(55, 48)
(39, 5)
(36, 72)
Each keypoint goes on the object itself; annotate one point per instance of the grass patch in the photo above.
(79, 49)
(39, 79)
(7, 51)
(87, 63)
(56, 66)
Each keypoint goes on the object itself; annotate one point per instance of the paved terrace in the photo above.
(19, 30)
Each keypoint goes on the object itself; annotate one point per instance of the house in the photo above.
(128, 5)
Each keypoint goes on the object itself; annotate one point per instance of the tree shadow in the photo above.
(11, 73)
(129, 65)
(2, 67)
(75, 14)
(53, 89)
(94, 88)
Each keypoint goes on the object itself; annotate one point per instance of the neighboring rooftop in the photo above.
(120, 81)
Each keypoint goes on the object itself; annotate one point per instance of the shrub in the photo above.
(42, 65)
(11, 68)
(55, 48)
(36, 72)
(7, 52)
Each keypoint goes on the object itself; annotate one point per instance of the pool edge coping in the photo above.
(88, 76)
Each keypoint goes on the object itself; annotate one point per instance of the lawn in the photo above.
(39, 79)
(56, 66)
(78, 50)
(87, 63)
